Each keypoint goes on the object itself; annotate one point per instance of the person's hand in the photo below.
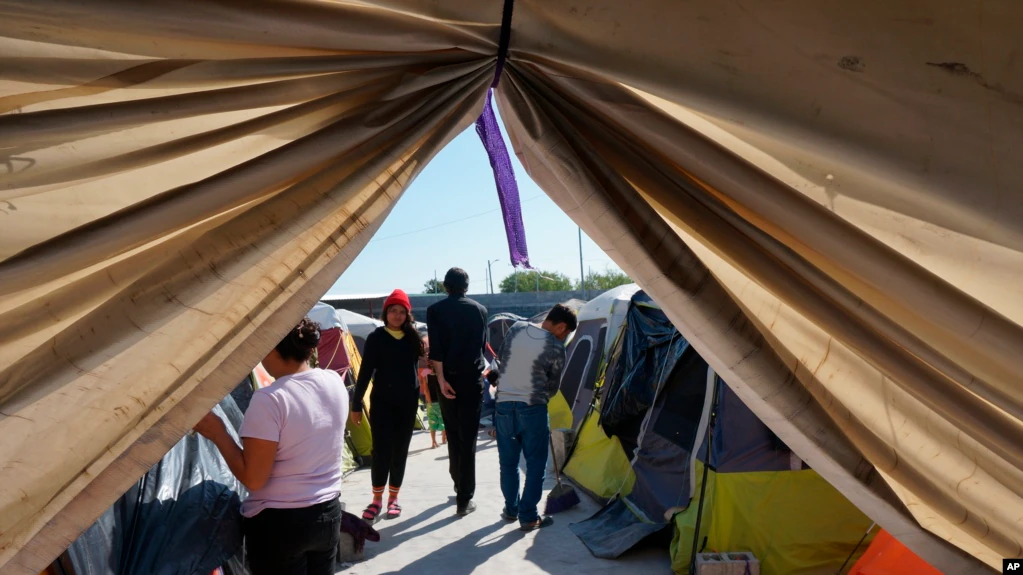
(357, 418)
(446, 390)
(211, 426)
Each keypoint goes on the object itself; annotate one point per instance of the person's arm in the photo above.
(370, 355)
(424, 386)
(436, 333)
(251, 462)
(486, 330)
(438, 343)
(554, 369)
(445, 388)
(501, 359)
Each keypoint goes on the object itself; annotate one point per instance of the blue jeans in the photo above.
(522, 429)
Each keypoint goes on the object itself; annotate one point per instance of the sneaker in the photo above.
(466, 509)
(538, 524)
(508, 517)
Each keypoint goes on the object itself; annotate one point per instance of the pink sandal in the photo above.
(393, 510)
(371, 512)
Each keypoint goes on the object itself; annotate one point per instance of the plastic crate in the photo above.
(739, 563)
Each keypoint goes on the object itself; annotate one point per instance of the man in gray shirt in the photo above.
(529, 374)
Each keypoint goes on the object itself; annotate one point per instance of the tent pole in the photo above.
(703, 485)
(582, 276)
(855, 549)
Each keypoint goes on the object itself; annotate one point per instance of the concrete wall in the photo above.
(525, 304)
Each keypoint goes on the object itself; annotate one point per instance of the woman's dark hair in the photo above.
(408, 327)
(456, 281)
(299, 344)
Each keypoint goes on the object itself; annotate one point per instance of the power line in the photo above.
(433, 227)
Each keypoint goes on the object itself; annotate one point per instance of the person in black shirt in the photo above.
(458, 335)
(391, 359)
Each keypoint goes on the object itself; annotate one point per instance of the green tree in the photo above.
(433, 286)
(598, 281)
(530, 280)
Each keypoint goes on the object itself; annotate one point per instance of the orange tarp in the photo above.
(886, 556)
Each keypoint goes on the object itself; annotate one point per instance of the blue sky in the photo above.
(450, 216)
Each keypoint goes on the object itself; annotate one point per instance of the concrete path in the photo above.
(430, 539)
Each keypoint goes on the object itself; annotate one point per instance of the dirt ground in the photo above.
(430, 539)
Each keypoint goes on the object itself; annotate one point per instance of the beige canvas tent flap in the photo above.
(825, 189)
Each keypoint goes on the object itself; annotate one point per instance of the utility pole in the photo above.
(537, 281)
(582, 278)
(436, 288)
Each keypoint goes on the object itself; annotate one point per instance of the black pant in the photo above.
(294, 541)
(462, 422)
(392, 426)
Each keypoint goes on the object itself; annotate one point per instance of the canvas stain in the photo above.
(852, 63)
(963, 71)
(957, 69)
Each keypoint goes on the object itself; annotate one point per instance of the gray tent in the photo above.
(666, 408)
(590, 344)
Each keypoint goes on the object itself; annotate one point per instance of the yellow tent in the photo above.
(794, 522)
(598, 464)
(362, 434)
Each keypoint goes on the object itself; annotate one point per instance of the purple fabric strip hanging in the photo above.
(507, 189)
(490, 133)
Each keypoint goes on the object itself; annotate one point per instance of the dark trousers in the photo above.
(392, 426)
(294, 541)
(462, 422)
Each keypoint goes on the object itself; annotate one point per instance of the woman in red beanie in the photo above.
(390, 358)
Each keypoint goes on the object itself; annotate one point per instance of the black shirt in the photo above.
(458, 335)
(392, 364)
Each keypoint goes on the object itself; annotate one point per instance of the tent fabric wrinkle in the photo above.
(820, 197)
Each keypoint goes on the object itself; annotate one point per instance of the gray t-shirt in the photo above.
(531, 360)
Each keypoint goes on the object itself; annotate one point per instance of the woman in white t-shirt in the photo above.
(290, 460)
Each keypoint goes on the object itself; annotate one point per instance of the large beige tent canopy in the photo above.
(824, 197)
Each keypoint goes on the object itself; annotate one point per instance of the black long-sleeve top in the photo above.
(458, 334)
(392, 364)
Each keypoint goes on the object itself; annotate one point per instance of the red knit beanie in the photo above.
(398, 297)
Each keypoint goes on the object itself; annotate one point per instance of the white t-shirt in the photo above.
(305, 413)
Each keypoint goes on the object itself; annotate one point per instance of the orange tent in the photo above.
(886, 556)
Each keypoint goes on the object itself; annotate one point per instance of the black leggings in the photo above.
(392, 427)
(294, 541)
